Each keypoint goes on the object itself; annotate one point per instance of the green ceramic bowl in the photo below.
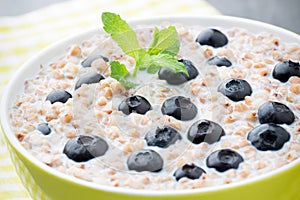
(43, 182)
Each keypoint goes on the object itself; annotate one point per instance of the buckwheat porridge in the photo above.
(234, 116)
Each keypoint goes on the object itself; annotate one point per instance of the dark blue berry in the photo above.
(205, 131)
(268, 137)
(224, 159)
(180, 108)
(189, 171)
(235, 89)
(44, 128)
(275, 112)
(89, 60)
(178, 78)
(58, 96)
(85, 147)
(145, 160)
(219, 61)
(284, 70)
(162, 136)
(212, 37)
(88, 78)
(135, 104)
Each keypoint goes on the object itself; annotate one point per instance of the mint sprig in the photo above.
(161, 53)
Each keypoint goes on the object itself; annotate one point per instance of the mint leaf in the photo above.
(165, 61)
(165, 42)
(122, 34)
(120, 72)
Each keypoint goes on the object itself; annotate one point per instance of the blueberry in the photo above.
(180, 108)
(58, 96)
(89, 78)
(205, 131)
(284, 70)
(219, 61)
(189, 171)
(178, 78)
(89, 60)
(268, 137)
(135, 104)
(162, 136)
(44, 128)
(85, 147)
(275, 112)
(145, 160)
(224, 159)
(235, 89)
(212, 37)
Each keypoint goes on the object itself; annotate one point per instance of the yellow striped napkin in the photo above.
(23, 36)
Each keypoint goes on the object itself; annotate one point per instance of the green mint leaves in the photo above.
(165, 42)
(161, 53)
(120, 72)
(123, 34)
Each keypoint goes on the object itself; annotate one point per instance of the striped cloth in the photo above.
(23, 36)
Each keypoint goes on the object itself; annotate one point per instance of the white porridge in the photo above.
(93, 109)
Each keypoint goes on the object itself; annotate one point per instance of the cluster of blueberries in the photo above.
(267, 136)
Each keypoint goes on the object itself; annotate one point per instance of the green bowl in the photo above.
(43, 182)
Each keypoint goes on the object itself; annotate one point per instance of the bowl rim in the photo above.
(12, 140)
